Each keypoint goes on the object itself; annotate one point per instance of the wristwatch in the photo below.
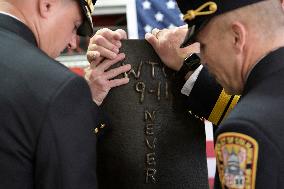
(190, 63)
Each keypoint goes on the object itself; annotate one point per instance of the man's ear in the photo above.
(46, 7)
(239, 36)
(282, 3)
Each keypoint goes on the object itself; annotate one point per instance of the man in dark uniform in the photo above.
(241, 44)
(48, 120)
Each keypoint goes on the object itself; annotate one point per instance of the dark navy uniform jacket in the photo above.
(258, 117)
(47, 117)
(249, 143)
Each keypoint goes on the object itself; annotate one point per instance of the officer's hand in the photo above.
(167, 43)
(101, 80)
(105, 44)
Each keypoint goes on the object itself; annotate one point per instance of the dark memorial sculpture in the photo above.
(153, 141)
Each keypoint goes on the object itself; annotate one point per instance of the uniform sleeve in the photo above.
(208, 99)
(66, 149)
(246, 157)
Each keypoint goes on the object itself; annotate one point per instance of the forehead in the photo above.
(208, 31)
(203, 34)
(73, 9)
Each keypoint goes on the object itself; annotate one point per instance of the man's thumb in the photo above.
(152, 40)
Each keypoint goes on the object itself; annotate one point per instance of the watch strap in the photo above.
(190, 63)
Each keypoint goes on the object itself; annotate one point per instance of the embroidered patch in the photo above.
(237, 156)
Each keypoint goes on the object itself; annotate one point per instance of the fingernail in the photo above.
(116, 50)
(122, 55)
(118, 44)
(113, 55)
(147, 35)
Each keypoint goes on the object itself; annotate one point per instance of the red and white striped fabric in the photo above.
(211, 160)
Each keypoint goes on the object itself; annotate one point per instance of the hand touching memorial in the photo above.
(101, 58)
(101, 80)
(167, 43)
(105, 44)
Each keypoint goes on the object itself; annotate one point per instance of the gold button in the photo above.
(95, 131)
(103, 126)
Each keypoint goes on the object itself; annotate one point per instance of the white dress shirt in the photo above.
(186, 89)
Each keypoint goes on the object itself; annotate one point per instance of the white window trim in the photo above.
(107, 7)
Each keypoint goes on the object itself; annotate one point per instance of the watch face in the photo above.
(192, 61)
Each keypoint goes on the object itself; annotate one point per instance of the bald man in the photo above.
(242, 45)
(49, 119)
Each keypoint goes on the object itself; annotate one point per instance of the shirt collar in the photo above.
(16, 26)
(266, 67)
(1, 12)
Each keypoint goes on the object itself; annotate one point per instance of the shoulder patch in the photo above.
(236, 156)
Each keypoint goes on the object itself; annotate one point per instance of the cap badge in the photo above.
(191, 14)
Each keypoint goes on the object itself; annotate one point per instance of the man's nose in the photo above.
(73, 42)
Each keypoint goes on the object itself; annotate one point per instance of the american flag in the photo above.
(157, 14)
(165, 14)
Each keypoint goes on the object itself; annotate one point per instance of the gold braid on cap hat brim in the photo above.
(91, 6)
(191, 14)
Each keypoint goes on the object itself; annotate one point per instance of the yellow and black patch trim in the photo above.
(237, 156)
(223, 106)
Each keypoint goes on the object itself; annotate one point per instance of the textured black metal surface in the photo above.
(165, 149)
